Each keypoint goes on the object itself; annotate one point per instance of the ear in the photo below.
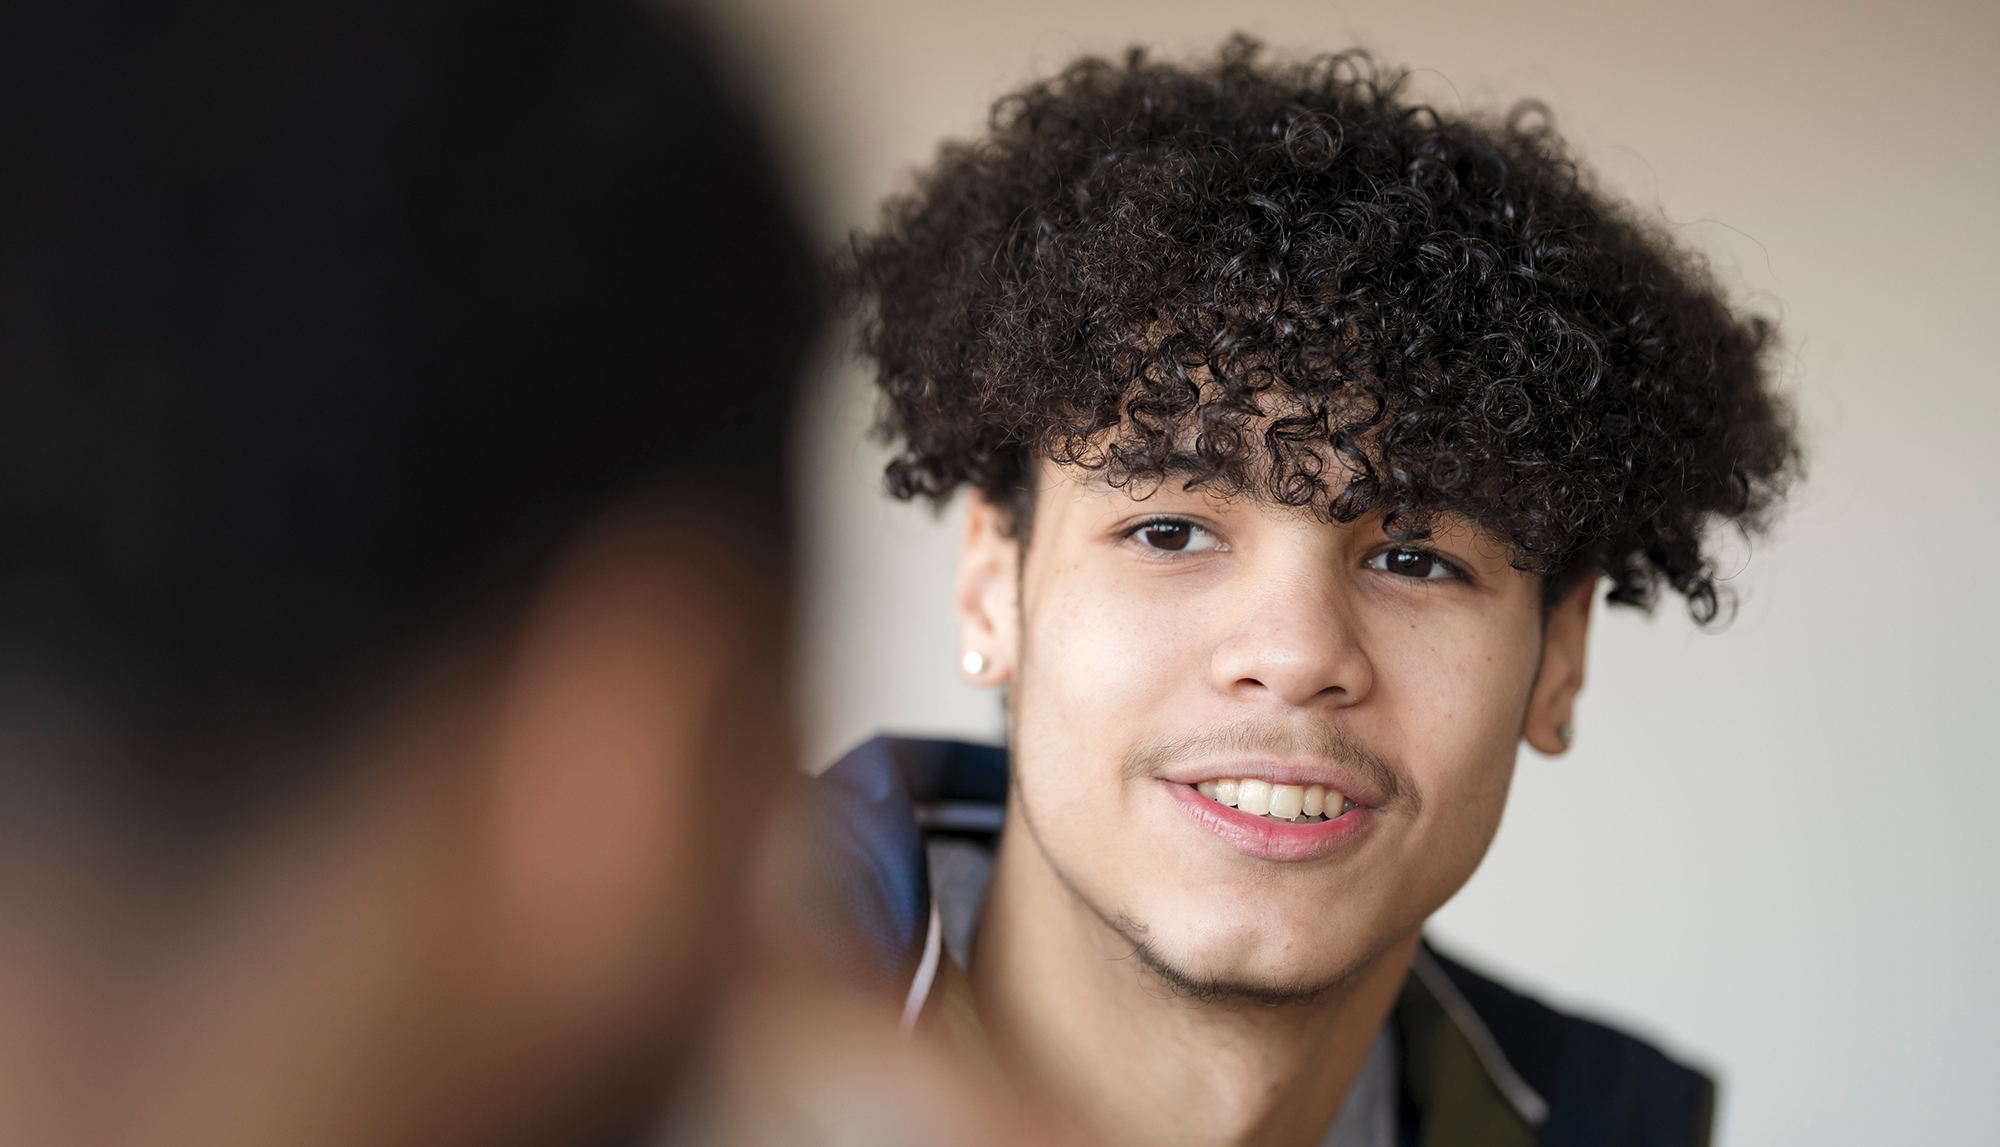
(986, 595)
(1551, 707)
(638, 732)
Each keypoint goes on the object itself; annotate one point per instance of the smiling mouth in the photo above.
(1295, 804)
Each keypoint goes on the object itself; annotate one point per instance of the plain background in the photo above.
(1772, 849)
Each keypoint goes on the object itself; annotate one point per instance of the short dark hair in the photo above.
(319, 319)
(1215, 272)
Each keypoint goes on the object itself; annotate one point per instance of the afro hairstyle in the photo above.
(1290, 280)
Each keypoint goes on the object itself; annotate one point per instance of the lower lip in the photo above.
(1267, 839)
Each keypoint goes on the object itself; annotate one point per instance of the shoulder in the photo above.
(1602, 1087)
(873, 813)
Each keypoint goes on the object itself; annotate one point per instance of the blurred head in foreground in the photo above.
(392, 401)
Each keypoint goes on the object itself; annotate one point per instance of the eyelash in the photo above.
(1132, 532)
(1450, 570)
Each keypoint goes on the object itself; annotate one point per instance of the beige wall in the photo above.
(1773, 849)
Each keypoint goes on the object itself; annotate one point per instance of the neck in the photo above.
(1102, 1051)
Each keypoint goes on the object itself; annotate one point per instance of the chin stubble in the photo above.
(1153, 966)
(1185, 985)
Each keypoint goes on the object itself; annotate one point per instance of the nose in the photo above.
(1294, 642)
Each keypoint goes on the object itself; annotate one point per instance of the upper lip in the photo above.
(1333, 775)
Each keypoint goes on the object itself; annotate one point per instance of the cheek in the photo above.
(1457, 696)
(1460, 700)
(1101, 664)
(1464, 683)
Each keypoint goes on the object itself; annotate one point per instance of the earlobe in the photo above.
(1550, 720)
(984, 598)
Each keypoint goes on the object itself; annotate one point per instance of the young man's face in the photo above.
(1159, 644)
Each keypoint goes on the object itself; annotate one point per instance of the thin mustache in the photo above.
(1317, 740)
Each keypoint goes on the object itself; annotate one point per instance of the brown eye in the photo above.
(1410, 563)
(1174, 537)
(1413, 564)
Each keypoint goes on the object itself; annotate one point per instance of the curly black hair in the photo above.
(1154, 268)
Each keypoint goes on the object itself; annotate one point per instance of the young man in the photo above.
(395, 410)
(1300, 425)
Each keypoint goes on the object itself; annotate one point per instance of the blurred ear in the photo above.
(640, 731)
(1551, 708)
(986, 597)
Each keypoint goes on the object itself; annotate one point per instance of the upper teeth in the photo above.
(1285, 802)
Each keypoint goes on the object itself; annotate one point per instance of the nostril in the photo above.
(1290, 691)
(1292, 664)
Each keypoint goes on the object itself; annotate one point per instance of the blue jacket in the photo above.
(903, 816)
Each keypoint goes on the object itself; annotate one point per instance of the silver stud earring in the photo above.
(1563, 733)
(975, 663)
